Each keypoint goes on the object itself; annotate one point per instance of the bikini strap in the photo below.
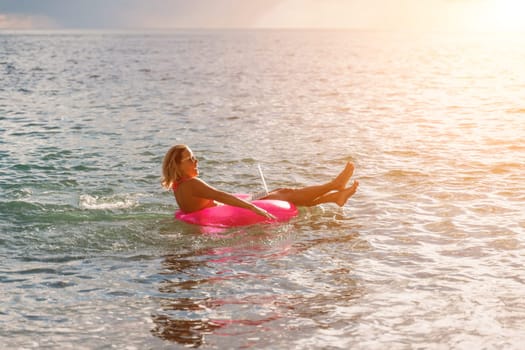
(177, 183)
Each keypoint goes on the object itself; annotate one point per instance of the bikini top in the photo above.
(177, 183)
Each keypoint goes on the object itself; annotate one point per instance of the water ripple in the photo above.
(428, 253)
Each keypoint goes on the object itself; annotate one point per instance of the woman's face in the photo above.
(188, 164)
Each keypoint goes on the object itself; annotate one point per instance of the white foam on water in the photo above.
(122, 201)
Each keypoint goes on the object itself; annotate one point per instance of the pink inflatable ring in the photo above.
(230, 216)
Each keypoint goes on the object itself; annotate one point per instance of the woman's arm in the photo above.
(201, 189)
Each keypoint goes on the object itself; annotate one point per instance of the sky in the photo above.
(419, 15)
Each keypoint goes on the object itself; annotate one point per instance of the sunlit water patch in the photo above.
(427, 254)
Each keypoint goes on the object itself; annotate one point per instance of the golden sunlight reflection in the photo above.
(497, 16)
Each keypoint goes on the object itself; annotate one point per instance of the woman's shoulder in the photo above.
(191, 182)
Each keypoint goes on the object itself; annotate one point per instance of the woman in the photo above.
(180, 173)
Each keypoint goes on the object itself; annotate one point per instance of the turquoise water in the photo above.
(428, 254)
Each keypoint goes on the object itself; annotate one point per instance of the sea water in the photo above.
(428, 254)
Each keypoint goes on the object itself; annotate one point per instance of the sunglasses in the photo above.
(192, 158)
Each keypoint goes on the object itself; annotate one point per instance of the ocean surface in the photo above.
(429, 254)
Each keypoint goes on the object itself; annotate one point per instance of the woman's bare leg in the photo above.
(338, 197)
(301, 196)
(342, 179)
(306, 195)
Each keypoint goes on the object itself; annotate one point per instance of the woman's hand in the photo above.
(263, 212)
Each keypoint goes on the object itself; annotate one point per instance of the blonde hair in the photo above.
(170, 165)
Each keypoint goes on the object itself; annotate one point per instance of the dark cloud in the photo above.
(69, 13)
(134, 13)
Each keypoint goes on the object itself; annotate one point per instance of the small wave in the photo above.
(516, 110)
(398, 173)
(107, 203)
(506, 167)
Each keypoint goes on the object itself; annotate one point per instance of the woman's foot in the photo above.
(344, 195)
(339, 183)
